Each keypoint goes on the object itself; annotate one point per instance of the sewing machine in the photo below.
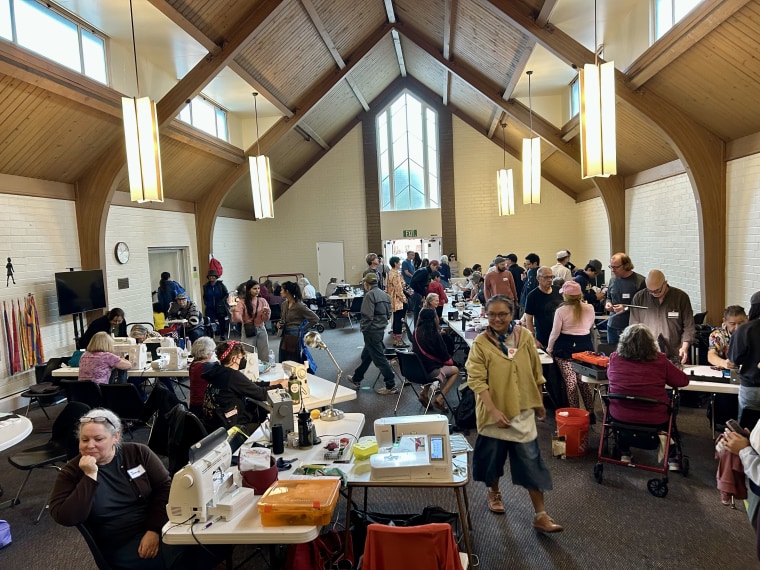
(176, 357)
(300, 370)
(280, 406)
(252, 366)
(137, 354)
(204, 488)
(412, 448)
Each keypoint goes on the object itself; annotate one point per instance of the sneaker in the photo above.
(386, 391)
(495, 504)
(356, 383)
(674, 465)
(544, 523)
(625, 458)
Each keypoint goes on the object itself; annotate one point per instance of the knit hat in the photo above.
(212, 273)
(370, 278)
(562, 254)
(570, 288)
(596, 264)
(180, 297)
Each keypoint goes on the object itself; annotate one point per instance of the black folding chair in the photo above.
(97, 554)
(46, 391)
(125, 401)
(85, 391)
(414, 373)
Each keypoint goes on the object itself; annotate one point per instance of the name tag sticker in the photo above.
(135, 472)
(673, 314)
(626, 295)
(511, 353)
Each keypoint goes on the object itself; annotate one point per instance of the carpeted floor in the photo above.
(617, 524)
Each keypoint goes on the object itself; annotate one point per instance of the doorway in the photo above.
(330, 262)
(428, 248)
(175, 260)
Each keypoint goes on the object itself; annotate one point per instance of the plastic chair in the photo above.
(414, 373)
(125, 401)
(62, 446)
(433, 545)
(85, 391)
(97, 555)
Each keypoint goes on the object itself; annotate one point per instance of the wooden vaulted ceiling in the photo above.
(324, 62)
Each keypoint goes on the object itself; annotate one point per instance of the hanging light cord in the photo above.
(596, 42)
(256, 113)
(504, 140)
(134, 46)
(530, 102)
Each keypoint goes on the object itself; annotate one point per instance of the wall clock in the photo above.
(121, 251)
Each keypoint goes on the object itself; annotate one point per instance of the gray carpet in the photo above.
(618, 524)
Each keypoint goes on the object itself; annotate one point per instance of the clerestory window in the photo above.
(667, 13)
(207, 116)
(407, 133)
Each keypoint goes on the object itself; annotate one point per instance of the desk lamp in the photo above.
(313, 339)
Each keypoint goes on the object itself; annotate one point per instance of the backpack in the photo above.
(215, 264)
(464, 413)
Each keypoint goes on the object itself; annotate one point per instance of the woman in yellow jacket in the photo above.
(504, 372)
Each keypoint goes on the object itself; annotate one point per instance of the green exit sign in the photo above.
(410, 233)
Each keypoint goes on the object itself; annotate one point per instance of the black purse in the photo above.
(250, 329)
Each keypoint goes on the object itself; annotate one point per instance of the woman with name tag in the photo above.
(571, 332)
(119, 491)
(504, 371)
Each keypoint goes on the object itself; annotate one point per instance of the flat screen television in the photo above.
(80, 291)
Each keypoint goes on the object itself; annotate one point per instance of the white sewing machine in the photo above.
(252, 366)
(137, 354)
(412, 448)
(204, 488)
(176, 357)
(291, 367)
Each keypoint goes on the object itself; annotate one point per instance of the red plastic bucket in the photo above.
(573, 424)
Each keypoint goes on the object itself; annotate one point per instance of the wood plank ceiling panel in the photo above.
(239, 196)
(721, 73)
(212, 17)
(423, 67)
(640, 145)
(484, 42)
(426, 17)
(561, 167)
(332, 113)
(291, 153)
(347, 21)
(471, 102)
(377, 70)
(46, 136)
(288, 56)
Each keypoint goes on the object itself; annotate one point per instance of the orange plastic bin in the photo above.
(573, 424)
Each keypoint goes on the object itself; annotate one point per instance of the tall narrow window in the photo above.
(407, 136)
(667, 13)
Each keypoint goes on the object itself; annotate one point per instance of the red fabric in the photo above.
(640, 378)
(427, 547)
(437, 288)
(730, 476)
(197, 384)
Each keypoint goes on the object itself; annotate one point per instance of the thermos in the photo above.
(294, 387)
(278, 439)
(305, 439)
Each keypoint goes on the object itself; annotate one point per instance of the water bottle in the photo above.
(271, 359)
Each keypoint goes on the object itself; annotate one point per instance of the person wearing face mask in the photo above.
(224, 404)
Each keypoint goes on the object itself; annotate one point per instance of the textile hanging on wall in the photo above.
(23, 335)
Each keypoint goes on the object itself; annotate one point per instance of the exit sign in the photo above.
(410, 233)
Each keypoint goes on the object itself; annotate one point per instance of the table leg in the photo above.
(463, 520)
(347, 536)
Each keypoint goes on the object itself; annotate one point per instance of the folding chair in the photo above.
(125, 401)
(46, 391)
(97, 554)
(85, 391)
(414, 373)
(433, 545)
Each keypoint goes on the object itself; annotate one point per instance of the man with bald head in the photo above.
(668, 314)
(624, 284)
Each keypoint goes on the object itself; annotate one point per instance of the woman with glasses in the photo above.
(119, 491)
(571, 332)
(504, 371)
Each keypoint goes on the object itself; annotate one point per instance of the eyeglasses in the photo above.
(500, 316)
(657, 291)
(545, 276)
(97, 420)
(614, 266)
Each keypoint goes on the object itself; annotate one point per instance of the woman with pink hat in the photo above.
(571, 332)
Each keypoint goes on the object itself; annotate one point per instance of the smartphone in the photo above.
(734, 426)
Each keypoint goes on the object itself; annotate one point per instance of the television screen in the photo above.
(80, 291)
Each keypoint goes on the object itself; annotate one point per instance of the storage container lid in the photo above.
(300, 495)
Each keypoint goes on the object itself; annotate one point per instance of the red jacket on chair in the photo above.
(427, 547)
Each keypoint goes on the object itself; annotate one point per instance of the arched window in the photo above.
(407, 136)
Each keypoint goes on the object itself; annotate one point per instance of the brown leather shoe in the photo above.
(544, 523)
(424, 397)
(439, 405)
(495, 504)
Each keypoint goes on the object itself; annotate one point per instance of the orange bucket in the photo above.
(573, 424)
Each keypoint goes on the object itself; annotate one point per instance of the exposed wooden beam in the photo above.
(589, 194)
(168, 205)
(449, 17)
(497, 118)
(571, 129)
(742, 147)
(260, 88)
(182, 132)
(309, 132)
(23, 186)
(661, 172)
(701, 151)
(546, 12)
(399, 52)
(281, 178)
(237, 214)
(702, 20)
(389, 12)
(210, 66)
(319, 91)
(519, 68)
(357, 92)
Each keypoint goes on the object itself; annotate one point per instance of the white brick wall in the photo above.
(142, 228)
(743, 231)
(662, 232)
(557, 223)
(40, 235)
(326, 204)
